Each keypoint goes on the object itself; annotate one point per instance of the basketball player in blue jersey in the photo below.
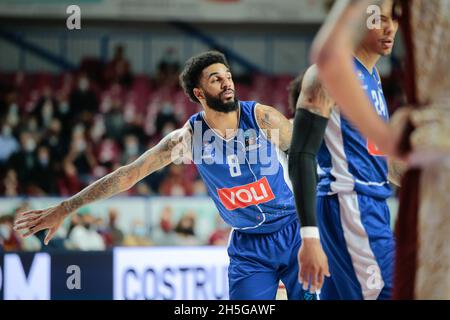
(353, 218)
(239, 149)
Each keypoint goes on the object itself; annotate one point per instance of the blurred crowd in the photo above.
(61, 133)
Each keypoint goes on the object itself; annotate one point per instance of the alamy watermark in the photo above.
(375, 279)
(246, 148)
(74, 279)
(374, 20)
(73, 21)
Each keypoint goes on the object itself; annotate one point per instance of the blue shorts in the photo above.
(259, 261)
(358, 241)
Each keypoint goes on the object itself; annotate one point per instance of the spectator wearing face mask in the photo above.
(114, 121)
(83, 102)
(185, 230)
(11, 113)
(8, 144)
(65, 116)
(55, 140)
(84, 236)
(131, 149)
(45, 175)
(138, 236)
(81, 156)
(46, 108)
(165, 119)
(24, 162)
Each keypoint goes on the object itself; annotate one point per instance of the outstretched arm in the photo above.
(127, 176)
(173, 147)
(313, 110)
(332, 52)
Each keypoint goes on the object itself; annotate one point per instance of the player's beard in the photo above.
(217, 104)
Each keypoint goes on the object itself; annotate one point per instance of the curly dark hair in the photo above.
(193, 68)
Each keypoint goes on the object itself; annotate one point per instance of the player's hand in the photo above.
(313, 265)
(37, 220)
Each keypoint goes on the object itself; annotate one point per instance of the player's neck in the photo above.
(367, 58)
(225, 124)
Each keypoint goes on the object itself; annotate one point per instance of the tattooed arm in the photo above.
(127, 176)
(173, 147)
(332, 52)
(275, 125)
(313, 96)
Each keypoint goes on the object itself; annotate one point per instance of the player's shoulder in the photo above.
(311, 74)
(194, 121)
(262, 109)
(311, 85)
(248, 109)
(195, 117)
(184, 133)
(313, 95)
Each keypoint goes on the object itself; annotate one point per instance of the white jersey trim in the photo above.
(283, 161)
(366, 267)
(372, 183)
(334, 142)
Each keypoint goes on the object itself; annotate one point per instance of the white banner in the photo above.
(262, 11)
(171, 273)
(19, 285)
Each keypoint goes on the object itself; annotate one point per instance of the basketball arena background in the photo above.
(80, 97)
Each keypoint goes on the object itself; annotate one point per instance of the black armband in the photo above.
(307, 137)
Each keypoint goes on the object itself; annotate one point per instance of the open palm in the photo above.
(36, 220)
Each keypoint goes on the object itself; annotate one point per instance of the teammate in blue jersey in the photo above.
(239, 149)
(353, 218)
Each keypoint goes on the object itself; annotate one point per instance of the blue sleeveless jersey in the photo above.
(347, 160)
(246, 175)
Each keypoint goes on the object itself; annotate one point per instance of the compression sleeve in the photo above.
(307, 136)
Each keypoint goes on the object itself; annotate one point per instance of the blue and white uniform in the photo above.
(353, 215)
(247, 177)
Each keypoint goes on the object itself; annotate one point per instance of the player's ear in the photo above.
(198, 93)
